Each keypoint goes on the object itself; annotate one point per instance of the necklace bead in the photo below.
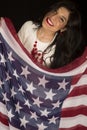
(36, 54)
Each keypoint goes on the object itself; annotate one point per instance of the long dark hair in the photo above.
(68, 41)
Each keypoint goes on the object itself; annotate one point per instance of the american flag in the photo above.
(33, 97)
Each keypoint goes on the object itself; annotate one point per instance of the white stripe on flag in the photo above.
(3, 109)
(73, 121)
(75, 101)
(3, 127)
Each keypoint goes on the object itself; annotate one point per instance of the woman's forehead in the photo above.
(63, 11)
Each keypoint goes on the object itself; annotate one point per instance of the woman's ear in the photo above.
(63, 29)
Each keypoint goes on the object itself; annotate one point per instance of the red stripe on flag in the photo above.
(80, 90)
(73, 111)
(4, 119)
(78, 127)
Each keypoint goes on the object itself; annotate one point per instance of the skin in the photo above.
(53, 22)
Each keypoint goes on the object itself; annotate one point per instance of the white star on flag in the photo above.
(63, 84)
(49, 95)
(5, 97)
(37, 102)
(27, 103)
(15, 74)
(44, 112)
(13, 93)
(30, 87)
(43, 81)
(2, 59)
(25, 71)
(10, 114)
(53, 120)
(57, 104)
(10, 56)
(21, 89)
(8, 77)
(33, 115)
(18, 107)
(41, 126)
(23, 121)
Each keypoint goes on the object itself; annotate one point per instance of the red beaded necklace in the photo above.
(37, 55)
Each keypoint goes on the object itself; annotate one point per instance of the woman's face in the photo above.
(56, 20)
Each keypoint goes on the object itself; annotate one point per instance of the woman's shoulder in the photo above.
(27, 27)
(29, 24)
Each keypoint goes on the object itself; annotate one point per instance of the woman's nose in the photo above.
(55, 18)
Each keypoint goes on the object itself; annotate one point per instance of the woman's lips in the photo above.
(49, 21)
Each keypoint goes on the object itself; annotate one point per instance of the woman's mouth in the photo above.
(49, 21)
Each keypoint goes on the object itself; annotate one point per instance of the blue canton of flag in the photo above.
(33, 99)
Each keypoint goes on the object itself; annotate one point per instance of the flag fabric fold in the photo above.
(33, 97)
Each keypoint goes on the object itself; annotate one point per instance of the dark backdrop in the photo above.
(21, 10)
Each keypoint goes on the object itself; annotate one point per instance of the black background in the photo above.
(21, 10)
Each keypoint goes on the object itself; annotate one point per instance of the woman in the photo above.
(54, 39)
(32, 98)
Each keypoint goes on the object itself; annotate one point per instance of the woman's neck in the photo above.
(44, 35)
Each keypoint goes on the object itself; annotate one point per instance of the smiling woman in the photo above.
(54, 38)
(56, 20)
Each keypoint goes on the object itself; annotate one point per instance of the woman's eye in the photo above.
(62, 20)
